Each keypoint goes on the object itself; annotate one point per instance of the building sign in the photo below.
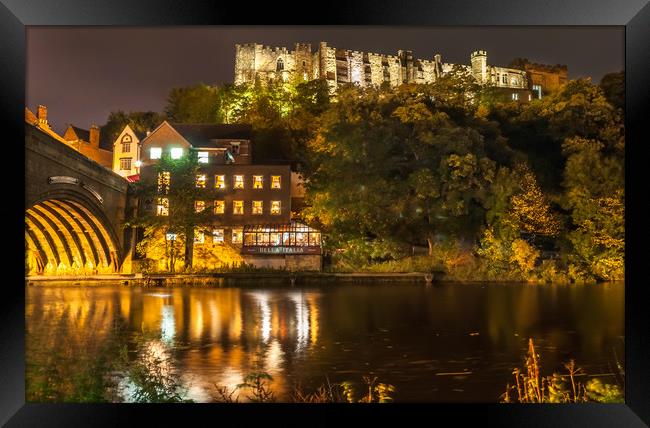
(280, 250)
(63, 179)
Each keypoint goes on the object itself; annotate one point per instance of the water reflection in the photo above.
(404, 334)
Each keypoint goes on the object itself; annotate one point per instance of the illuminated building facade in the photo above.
(339, 66)
(126, 152)
(249, 197)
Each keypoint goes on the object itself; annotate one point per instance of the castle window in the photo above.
(219, 207)
(234, 148)
(163, 207)
(279, 65)
(258, 181)
(238, 207)
(163, 182)
(200, 181)
(203, 157)
(237, 235)
(199, 237)
(275, 182)
(155, 152)
(125, 164)
(530, 97)
(176, 152)
(199, 206)
(217, 236)
(504, 79)
(275, 207)
(238, 182)
(538, 89)
(515, 96)
(219, 181)
(257, 207)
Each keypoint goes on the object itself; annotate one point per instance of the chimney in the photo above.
(42, 114)
(94, 136)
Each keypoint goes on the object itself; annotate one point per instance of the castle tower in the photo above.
(245, 66)
(303, 61)
(479, 66)
(406, 62)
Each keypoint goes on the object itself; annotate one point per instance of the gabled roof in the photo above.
(201, 134)
(82, 134)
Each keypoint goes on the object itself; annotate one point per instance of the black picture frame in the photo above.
(16, 15)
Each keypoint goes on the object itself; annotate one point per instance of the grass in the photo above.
(531, 387)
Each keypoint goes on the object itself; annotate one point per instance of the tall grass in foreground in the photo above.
(531, 387)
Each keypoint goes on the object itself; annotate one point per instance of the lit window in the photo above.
(530, 97)
(239, 182)
(163, 182)
(219, 207)
(177, 153)
(238, 207)
(125, 163)
(162, 207)
(199, 206)
(257, 207)
(220, 181)
(217, 236)
(538, 89)
(203, 157)
(275, 207)
(234, 148)
(155, 152)
(237, 236)
(275, 182)
(258, 181)
(199, 237)
(515, 96)
(126, 147)
(200, 181)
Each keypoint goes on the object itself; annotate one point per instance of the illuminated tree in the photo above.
(530, 207)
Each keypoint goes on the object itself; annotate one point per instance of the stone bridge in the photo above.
(74, 211)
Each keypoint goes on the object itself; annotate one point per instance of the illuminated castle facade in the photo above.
(340, 66)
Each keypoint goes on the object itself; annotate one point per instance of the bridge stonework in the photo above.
(75, 211)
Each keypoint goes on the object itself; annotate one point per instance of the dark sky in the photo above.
(82, 74)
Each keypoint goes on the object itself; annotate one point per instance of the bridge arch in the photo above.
(67, 233)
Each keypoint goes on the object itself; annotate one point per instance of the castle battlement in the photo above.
(337, 65)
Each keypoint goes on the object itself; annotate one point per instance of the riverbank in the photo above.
(240, 278)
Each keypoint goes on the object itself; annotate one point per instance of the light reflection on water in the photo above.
(404, 334)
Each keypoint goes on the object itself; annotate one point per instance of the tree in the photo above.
(613, 87)
(595, 182)
(195, 104)
(392, 168)
(139, 121)
(530, 207)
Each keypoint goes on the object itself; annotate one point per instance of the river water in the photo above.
(445, 343)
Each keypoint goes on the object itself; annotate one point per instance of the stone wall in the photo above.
(302, 262)
(364, 69)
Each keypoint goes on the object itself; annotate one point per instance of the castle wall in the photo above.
(338, 66)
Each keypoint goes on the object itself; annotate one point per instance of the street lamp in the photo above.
(171, 237)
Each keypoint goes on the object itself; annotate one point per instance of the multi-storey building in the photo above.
(126, 152)
(251, 209)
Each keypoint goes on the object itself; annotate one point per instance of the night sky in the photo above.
(82, 74)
